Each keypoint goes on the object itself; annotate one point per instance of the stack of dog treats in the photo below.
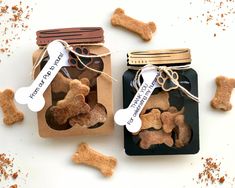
(162, 123)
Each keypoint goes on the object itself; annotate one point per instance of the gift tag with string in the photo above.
(130, 116)
(33, 94)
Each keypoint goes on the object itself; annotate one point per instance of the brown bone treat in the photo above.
(172, 109)
(168, 120)
(85, 81)
(151, 120)
(60, 83)
(223, 93)
(183, 130)
(160, 100)
(88, 156)
(149, 138)
(96, 115)
(77, 87)
(145, 30)
(10, 112)
(73, 103)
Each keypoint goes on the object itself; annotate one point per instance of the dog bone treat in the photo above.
(60, 83)
(96, 115)
(151, 120)
(85, 81)
(145, 30)
(69, 107)
(183, 130)
(223, 93)
(168, 120)
(77, 87)
(10, 112)
(160, 100)
(172, 109)
(88, 156)
(149, 138)
(73, 103)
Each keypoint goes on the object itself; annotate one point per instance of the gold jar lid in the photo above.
(159, 57)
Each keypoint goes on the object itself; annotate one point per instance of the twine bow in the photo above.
(78, 55)
(165, 74)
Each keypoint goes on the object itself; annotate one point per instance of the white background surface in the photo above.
(47, 161)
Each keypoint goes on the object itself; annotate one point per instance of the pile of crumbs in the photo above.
(211, 172)
(7, 170)
(216, 13)
(14, 16)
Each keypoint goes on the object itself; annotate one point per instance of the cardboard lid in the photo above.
(159, 57)
(71, 35)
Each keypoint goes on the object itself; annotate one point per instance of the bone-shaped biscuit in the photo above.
(168, 120)
(73, 103)
(183, 132)
(151, 120)
(223, 93)
(145, 30)
(149, 138)
(160, 100)
(10, 112)
(60, 83)
(76, 87)
(88, 156)
(96, 115)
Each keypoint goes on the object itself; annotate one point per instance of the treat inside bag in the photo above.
(75, 103)
(165, 104)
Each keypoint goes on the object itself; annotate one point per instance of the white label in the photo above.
(33, 95)
(130, 116)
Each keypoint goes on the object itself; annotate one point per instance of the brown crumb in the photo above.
(221, 180)
(7, 170)
(13, 186)
(15, 8)
(211, 172)
(15, 175)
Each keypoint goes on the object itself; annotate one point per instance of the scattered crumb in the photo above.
(211, 173)
(9, 172)
(215, 13)
(14, 17)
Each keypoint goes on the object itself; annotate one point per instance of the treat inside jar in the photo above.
(163, 126)
(74, 95)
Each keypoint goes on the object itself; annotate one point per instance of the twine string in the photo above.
(78, 55)
(137, 79)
